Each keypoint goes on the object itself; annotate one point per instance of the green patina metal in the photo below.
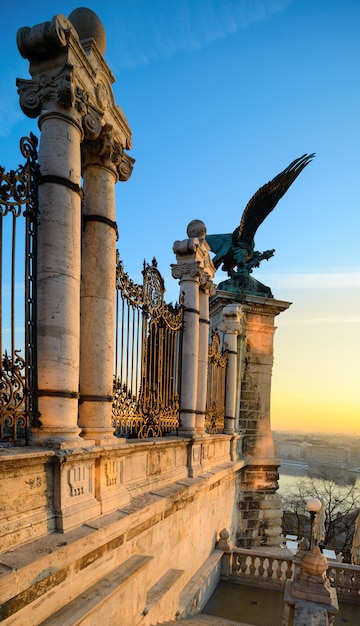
(236, 251)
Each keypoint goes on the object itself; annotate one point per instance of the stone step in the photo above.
(162, 587)
(75, 612)
(203, 620)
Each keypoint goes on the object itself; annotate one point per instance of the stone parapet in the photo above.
(63, 489)
(117, 565)
(26, 504)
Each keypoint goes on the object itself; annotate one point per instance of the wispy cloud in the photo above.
(321, 280)
(184, 25)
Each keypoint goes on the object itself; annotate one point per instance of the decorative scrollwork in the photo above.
(128, 289)
(19, 197)
(16, 185)
(215, 354)
(151, 407)
(214, 421)
(215, 410)
(125, 167)
(13, 416)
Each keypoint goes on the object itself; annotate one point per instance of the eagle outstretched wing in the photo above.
(266, 198)
(221, 245)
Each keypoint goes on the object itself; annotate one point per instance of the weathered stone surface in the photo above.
(160, 525)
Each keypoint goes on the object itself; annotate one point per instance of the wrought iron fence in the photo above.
(215, 406)
(147, 357)
(18, 220)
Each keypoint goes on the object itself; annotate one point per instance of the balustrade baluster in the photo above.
(261, 568)
(278, 572)
(355, 584)
(271, 568)
(252, 566)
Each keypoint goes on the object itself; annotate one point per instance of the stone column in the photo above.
(50, 95)
(71, 93)
(193, 267)
(207, 288)
(231, 326)
(104, 163)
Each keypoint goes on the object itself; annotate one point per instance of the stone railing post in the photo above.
(232, 327)
(194, 269)
(103, 166)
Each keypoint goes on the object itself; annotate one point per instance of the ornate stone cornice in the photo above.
(253, 304)
(72, 79)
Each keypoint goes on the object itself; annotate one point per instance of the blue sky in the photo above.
(221, 95)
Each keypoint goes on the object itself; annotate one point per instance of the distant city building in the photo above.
(314, 453)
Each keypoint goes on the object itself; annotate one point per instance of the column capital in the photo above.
(233, 320)
(186, 271)
(194, 252)
(104, 150)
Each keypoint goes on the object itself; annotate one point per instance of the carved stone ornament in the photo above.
(186, 270)
(102, 95)
(91, 124)
(105, 150)
(125, 167)
(46, 87)
(206, 284)
(41, 40)
(185, 246)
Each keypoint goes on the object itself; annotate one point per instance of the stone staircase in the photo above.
(79, 579)
(203, 620)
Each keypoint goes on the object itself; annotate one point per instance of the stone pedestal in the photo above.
(309, 598)
(260, 511)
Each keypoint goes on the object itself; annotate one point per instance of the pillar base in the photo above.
(56, 438)
(102, 437)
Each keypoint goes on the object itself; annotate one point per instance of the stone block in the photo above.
(26, 495)
(74, 490)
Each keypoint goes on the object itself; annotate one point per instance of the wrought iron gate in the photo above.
(147, 357)
(18, 199)
(215, 405)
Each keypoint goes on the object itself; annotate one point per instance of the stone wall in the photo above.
(138, 562)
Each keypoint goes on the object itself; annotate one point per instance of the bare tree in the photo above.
(341, 499)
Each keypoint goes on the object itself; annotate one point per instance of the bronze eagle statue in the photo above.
(237, 249)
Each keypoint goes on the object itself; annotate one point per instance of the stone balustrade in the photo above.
(263, 569)
(259, 567)
(346, 579)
